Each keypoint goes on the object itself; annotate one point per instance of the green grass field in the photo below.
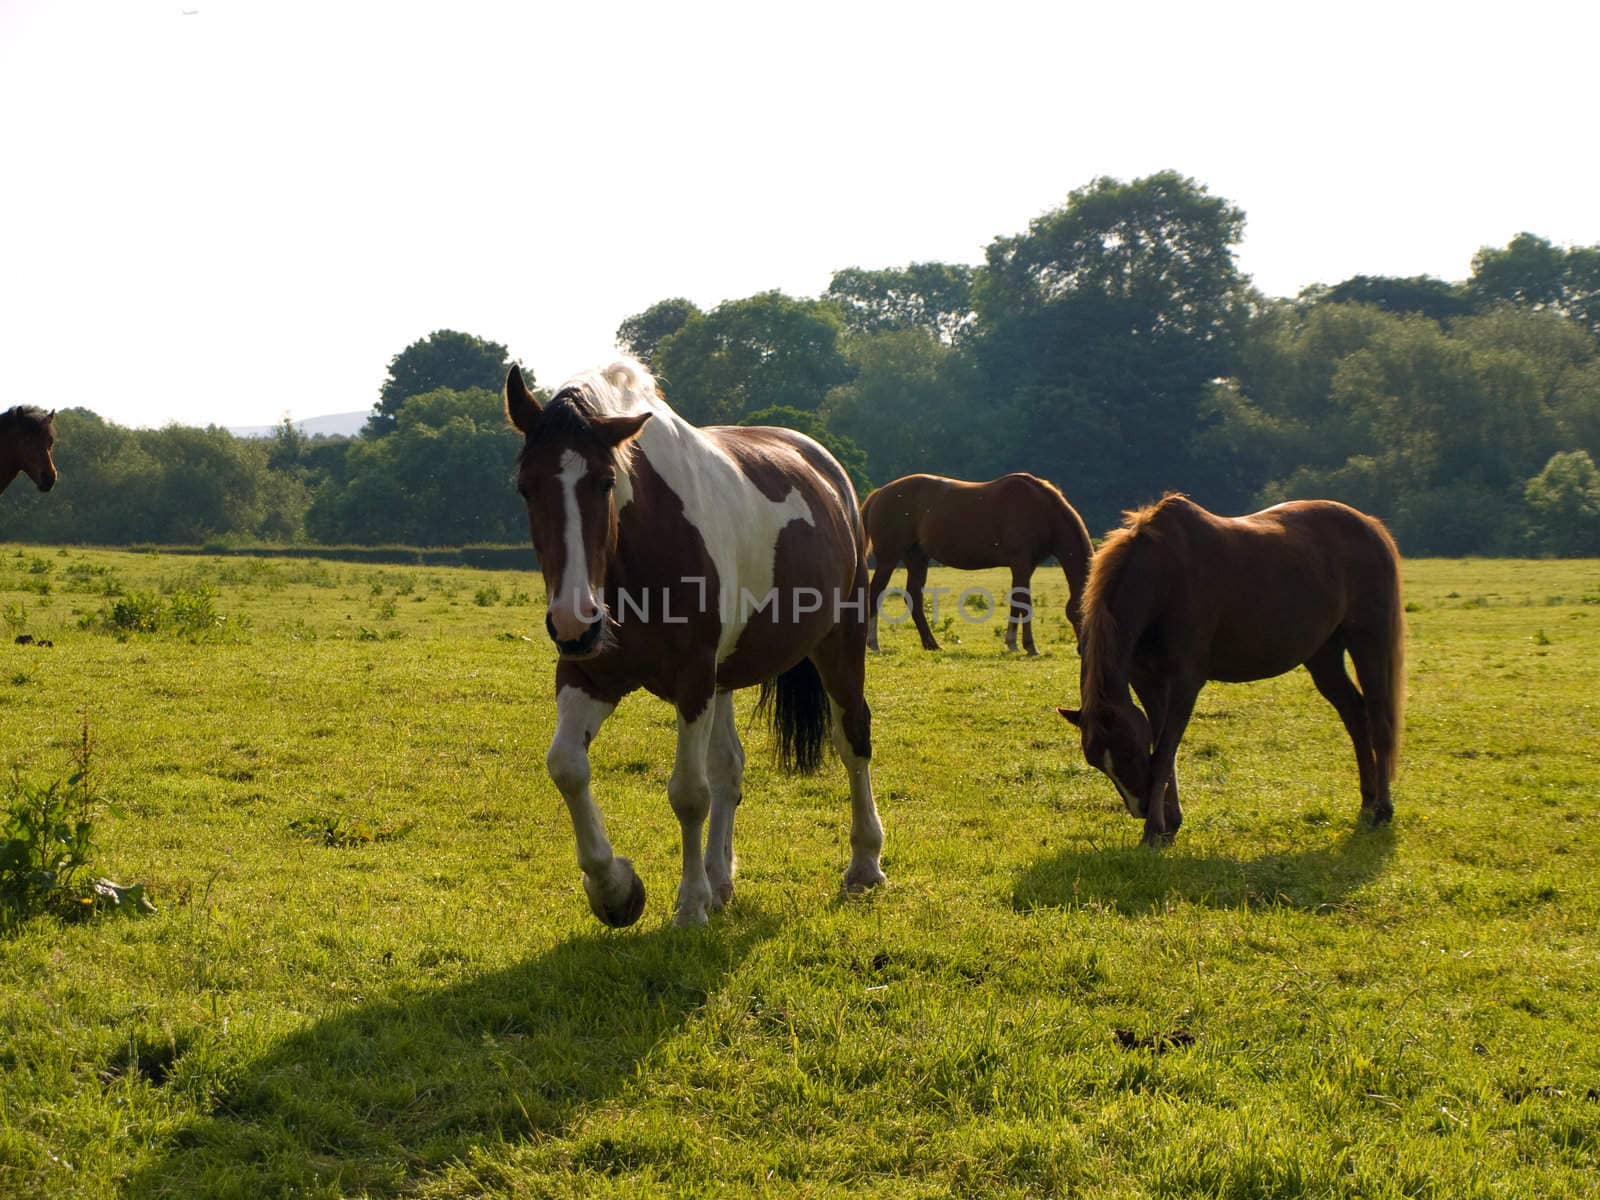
(373, 971)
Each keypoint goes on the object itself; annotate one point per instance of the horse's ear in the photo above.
(522, 410)
(1072, 714)
(51, 416)
(614, 431)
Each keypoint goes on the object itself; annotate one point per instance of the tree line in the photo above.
(1113, 346)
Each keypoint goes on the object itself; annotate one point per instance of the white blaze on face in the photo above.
(573, 608)
(1127, 797)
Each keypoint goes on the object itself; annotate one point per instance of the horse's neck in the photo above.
(1127, 609)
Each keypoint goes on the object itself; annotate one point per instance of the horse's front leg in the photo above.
(615, 892)
(1171, 718)
(689, 790)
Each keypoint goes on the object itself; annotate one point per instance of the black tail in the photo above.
(800, 717)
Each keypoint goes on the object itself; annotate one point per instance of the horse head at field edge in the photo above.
(27, 439)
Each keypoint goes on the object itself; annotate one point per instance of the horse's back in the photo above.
(1270, 588)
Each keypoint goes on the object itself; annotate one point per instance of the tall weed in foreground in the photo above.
(48, 842)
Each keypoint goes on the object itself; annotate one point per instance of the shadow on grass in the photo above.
(1136, 880)
(375, 1098)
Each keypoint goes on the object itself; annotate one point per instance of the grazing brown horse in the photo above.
(693, 562)
(1015, 521)
(1178, 596)
(27, 436)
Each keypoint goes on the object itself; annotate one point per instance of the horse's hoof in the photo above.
(859, 881)
(1158, 841)
(721, 895)
(690, 918)
(1032, 653)
(1376, 817)
(628, 910)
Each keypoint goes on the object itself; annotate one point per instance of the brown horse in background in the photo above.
(27, 436)
(1015, 521)
(1179, 596)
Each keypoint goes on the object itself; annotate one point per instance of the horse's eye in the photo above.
(608, 483)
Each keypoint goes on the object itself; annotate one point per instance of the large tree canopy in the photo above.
(642, 334)
(933, 296)
(443, 359)
(767, 351)
(1532, 272)
(1101, 330)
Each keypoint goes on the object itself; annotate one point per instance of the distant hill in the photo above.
(336, 425)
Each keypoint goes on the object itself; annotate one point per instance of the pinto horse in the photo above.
(1178, 596)
(27, 437)
(1015, 521)
(693, 562)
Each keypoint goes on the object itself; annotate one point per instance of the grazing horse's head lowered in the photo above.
(27, 436)
(569, 472)
(1117, 740)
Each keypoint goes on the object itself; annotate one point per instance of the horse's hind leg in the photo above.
(1328, 673)
(1369, 654)
(725, 770)
(1021, 599)
(841, 663)
(880, 582)
(916, 577)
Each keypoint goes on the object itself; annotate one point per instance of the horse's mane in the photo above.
(1100, 636)
(24, 418)
(624, 387)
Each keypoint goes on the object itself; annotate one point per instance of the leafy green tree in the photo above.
(932, 296)
(443, 359)
(1421, 294)
(849, 454)
(908, 405)
(1101, 330)
(442, 477)
(1531, 272)
(1564, 504)
(766, 351)
(642, 334)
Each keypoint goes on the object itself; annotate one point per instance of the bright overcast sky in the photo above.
(223, 215)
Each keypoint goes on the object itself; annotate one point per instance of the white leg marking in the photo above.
(725, 770)
(607, 879)
(866, 832)
(689, 790)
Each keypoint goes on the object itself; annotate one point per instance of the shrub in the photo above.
(47, 843)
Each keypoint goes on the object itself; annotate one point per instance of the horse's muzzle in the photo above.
(580, 647)
(46, 482)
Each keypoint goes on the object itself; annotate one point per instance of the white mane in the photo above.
(626, 386)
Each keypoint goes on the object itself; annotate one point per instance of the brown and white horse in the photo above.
(27, 437)
(693, 562)
(1178, 596)
(1015, 521)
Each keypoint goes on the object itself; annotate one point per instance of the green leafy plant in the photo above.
(48, 843)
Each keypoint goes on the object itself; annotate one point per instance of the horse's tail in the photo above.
(866, 521)
(1394, 682)
(1073, 549)
(796, 704)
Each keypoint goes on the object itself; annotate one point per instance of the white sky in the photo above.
(225, 216)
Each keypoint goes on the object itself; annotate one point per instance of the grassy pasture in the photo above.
(374, 972)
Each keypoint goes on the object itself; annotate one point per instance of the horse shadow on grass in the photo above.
(1135, 880)
(375, 1099)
